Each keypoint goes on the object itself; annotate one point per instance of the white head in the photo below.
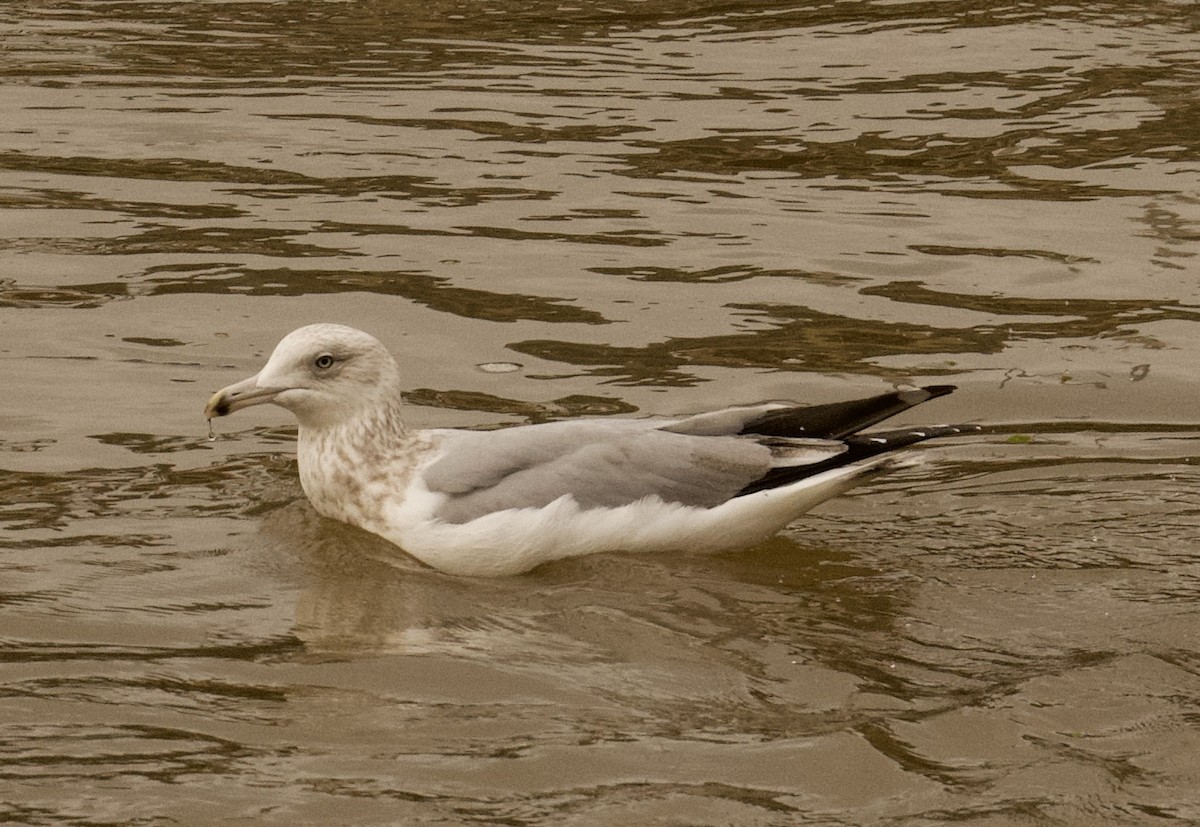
(325, 374)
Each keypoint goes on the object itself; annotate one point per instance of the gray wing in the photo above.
(702, 460)
(605, 463)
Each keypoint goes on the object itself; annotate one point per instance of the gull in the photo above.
(501, 502)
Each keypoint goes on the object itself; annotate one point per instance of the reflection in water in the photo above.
(724, 201)
(578, 618)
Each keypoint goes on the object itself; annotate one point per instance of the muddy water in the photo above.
(649, 209)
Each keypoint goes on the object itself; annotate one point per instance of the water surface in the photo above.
(650, 209)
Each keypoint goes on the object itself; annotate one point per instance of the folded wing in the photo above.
(700, 461)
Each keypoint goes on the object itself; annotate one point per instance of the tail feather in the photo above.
(859, 447)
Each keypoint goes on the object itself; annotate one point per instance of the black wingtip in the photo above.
(840, 419)
(879, 442)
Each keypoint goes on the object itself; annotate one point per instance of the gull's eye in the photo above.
(324, 361)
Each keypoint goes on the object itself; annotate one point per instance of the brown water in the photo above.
(651, 208)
